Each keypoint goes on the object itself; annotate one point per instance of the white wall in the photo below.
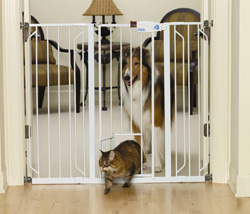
(64, 11)
(2, 149)
(61, 11)
(235, 88)
(240, 161)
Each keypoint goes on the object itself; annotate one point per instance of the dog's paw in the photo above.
(158, 168)
(148, 151)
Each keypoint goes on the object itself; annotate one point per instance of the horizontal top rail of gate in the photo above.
(163, 24)
(61, 25)
(108, 25)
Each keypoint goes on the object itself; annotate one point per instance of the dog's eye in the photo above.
(136, 63)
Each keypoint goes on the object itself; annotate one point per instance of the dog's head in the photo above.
(132, 76)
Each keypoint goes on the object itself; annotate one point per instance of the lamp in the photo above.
(103, 8)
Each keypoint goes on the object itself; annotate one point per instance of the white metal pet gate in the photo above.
(63, 146)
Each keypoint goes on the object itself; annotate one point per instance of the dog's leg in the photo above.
(159, 146)
(136, 130)
(147, 141)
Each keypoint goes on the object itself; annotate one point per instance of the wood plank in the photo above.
(181, 198)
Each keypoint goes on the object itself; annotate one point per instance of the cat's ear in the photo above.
(111, 155)
(101, 151)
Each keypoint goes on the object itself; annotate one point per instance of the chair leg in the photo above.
(191, 92)
(118, 85)
(41, 91)
(78, 88)
(195, 97)
(87, 82)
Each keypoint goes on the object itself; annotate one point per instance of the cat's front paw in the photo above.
(145, 166)
(126, 185)
(106, 191)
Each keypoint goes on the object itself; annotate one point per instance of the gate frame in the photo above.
(224, 137)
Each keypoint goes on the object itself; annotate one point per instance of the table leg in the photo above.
(104, 107)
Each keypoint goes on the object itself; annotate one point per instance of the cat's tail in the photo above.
(137, 145)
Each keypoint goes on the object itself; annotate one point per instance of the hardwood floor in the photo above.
(181, 198)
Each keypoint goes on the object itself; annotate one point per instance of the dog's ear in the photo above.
(146, 56)
(125, 51)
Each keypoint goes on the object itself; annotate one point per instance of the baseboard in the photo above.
(239, 184)
(232, 178)
(243, 186)
(3, 181)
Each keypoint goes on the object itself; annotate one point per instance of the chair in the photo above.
(53, 67)
(180, 15)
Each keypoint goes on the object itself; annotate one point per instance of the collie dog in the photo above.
(132, 81)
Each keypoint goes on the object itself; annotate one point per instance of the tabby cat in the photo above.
(123, 161)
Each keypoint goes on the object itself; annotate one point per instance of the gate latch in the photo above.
(146, 26)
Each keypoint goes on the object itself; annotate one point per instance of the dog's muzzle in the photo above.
(127, 78)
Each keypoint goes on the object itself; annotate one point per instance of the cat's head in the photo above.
(107, 161)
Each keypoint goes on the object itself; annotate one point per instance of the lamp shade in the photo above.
(102, 8)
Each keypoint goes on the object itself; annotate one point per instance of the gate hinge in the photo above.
(27, 131)
(208, 177)
(208, 23)
(25, 27)
(27, 179)
(207, 129)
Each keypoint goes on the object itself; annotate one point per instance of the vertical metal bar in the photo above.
(29, 110)
(121, 86)
(111, 85)
(100, 86)
(48, 87)
(59, 102)
(91, 101)
(183, 94)
(75, 131)
(167, 100)
(37, 113)
(206, 39)
(153, 107)
(141, 103)
(175, 85)
(83, 106)
(74, 52)
(208, 145)
(70, 129)
(183, 101)
(100, 92)
(131, 77)
(189, 148)
(199, 100)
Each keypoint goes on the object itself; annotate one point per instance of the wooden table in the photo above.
(105, 59)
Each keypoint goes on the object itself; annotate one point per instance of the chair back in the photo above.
(179, 15)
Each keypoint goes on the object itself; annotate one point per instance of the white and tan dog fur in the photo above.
(135, 85)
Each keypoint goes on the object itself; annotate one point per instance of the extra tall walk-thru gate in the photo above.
(65, 140)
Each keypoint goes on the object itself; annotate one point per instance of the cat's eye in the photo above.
(136, 63)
